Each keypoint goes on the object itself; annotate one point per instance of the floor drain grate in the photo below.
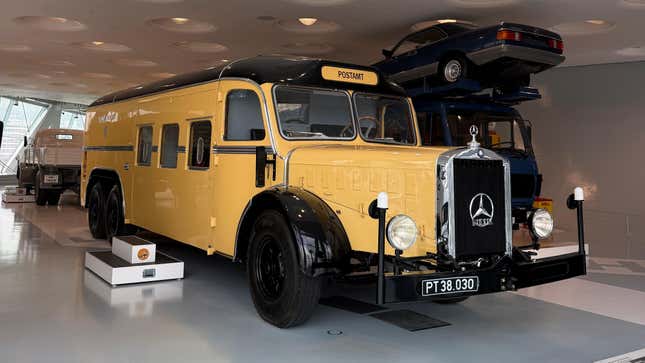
(409, 320)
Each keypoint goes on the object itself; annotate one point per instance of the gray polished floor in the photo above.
(53, 310)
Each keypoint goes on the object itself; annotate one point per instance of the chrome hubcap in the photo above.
(452, 71)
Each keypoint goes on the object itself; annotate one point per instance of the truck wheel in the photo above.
(95, 213)
(114, 219)
(282, 294)
(449, 300)
(41, 195)
(53, 197)
(453, 69)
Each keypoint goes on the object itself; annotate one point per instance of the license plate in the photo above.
(449, 285)
(50, 179)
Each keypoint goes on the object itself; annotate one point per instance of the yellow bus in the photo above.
(276, 162)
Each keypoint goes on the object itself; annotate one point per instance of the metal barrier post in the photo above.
(381, 206)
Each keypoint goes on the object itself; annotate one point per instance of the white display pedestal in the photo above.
(118, 271)
(17, 195)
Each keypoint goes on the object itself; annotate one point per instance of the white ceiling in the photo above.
(348, 30)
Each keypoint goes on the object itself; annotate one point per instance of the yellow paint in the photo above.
(359, 76)
(203, 208)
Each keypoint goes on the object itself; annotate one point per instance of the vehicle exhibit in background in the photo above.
(51, 164)
(502, 55)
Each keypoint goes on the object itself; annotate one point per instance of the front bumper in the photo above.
(505, 275)
(520, 52)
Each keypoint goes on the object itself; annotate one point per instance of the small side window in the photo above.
(200, 144)
(169, 142)
(243, 116)
(144, 149)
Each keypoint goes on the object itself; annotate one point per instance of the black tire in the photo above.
(452, 69)
(96, 211)
(41, 194)
(53, 197)
(449, 300)
(283, 296)
(114, 218)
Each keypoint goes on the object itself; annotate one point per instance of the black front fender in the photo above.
(321, 241)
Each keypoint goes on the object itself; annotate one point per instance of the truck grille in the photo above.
(479, 204)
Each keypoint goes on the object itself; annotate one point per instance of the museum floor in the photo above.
(53, 310)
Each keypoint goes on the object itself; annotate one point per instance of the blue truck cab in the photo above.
(446, 121)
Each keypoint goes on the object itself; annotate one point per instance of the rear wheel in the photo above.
(41, 194)
(114, 219)
(453, 69)
(95, 213)
(282, 294)
(53, 197)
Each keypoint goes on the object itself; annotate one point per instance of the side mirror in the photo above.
(387, 53)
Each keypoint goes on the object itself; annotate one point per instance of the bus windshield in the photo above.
(309, 113)
(384, 119)
(496, 130)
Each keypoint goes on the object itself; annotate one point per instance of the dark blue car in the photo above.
(497, 56)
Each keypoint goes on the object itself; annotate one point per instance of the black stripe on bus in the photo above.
(238, 149)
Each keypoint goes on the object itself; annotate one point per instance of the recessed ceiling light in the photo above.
(225, 60)
(317, 27)
(162, 75)
(201, 47)
(50, 23)
(585, 27)
(15, 48)
(101, 46)
(134, 62)
(320, 3)
(634, 4)
(58, 63)
(482, 3)
(182, 25)
(632, 51)
(307, 48)
(97, 75)
(428, 23)
(307, 21)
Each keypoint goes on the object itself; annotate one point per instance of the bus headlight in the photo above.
(401, 232)
(541, 223)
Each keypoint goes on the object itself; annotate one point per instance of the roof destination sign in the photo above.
(349, 75)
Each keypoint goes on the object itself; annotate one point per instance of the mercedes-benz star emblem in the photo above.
(473, 130)
(481, 210)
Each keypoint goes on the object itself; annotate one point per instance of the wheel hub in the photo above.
(270, 271)
(452, 71)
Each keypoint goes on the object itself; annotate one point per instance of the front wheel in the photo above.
(282, 294)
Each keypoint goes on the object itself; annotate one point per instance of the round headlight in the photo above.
(401, 232)
(541, 223)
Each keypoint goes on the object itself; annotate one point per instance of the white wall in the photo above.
(589, 130)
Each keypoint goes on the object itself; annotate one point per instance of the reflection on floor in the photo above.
(53, 310)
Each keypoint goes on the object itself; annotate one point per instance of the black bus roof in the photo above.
(261, 69)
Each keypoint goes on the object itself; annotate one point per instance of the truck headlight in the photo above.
(541, 223)
(401, 232)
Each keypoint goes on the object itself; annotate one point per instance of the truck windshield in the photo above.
(308, 113)
(384, 119)
(496, 130)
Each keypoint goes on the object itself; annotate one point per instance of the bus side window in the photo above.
(437, 138)
(169, 142)
(243, 116)
(144, 149)
(200, 145)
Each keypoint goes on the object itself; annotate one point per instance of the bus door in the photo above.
(243, 134)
